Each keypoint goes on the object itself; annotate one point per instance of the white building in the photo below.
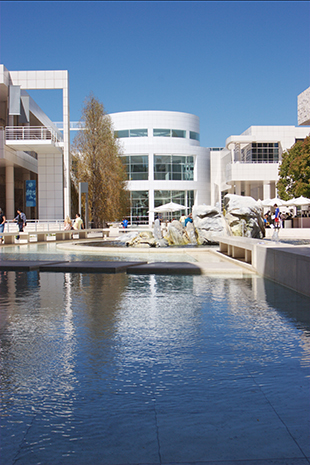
(249, 163)
(164, 160)
(161, 150)
(34, 154)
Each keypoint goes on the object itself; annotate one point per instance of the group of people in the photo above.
(276, 219)
(78, 223)
(21, 221)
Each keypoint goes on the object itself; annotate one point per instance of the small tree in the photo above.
(294, 171)
(96, 161)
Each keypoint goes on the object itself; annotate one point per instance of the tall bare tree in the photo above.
(96, 160)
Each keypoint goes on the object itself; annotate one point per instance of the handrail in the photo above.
(31, 133)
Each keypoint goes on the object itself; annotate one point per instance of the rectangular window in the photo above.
(162, 132)
(121, 134)
(137, 167)
(185, 198)
(178, 133)
(261, 153)
(194, 135)
(139, 207)
(173, 167)
(138, 133)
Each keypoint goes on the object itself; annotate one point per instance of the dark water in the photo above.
(115, 369)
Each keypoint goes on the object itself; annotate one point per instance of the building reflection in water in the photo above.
(81, 351)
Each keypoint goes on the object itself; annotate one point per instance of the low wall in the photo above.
(289, 266)
(285, 264)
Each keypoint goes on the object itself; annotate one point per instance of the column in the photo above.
(266, 190)
(238, 187)
(9, 192)
(66, 135)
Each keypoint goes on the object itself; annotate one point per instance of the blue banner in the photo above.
(31, 193)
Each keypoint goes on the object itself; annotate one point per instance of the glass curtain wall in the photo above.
(139, 207)
(261, 153)
(137, 167)
(185, 198)
(173, 168)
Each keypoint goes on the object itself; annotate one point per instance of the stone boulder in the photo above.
(243, 216)
(176, 234)
(208, 224)
(143, 239)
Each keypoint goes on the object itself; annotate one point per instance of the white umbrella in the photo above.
(299, 202)
(169, 207)
(271, 202)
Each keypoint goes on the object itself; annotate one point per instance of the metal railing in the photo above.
(36, 225)
(31, 133)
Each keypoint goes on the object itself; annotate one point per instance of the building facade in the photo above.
(249, 163)
(160, 149)
(34, 154)
(163, 159)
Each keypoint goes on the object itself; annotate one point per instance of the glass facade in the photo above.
(185, 198)
(173, 168)
(267, 152)
(194, 135)
(131, 133)
(137, 167)
(139, 207)
(169, 133)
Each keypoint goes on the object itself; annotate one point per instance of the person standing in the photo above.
(276, 216)
(78, 223)
(2, 223)
(21, 221)
(189, 219)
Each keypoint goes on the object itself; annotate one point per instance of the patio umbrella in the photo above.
(299, 202)
(271, 202)
(169, 207)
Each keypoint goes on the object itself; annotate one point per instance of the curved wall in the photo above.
(152, 146)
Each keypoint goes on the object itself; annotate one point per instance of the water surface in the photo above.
(115, 369)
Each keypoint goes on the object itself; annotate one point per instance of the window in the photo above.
(137, 167)
(173, 168)
(194, 135)
(178, 133)
(169, 133)
(266, 152)
(121, 134)
(139, 207)
(138, 133)
(131, 133)
(162, 132)
(185, 198)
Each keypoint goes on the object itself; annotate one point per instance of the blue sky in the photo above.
(233, 64)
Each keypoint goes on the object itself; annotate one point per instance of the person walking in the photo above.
(21, 221)
(2, 223)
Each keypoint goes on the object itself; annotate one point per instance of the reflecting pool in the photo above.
(124, 369)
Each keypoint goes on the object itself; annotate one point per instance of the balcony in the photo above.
(39, 139)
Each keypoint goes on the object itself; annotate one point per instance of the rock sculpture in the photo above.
(243, 216)
(208, 223)
(176, 234)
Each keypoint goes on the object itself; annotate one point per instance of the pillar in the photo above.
(266, 190)
(9, 192)
(66, 161)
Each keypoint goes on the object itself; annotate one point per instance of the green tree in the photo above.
(294, 171)
(96, 160)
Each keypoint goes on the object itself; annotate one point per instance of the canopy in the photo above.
(299, 202)
(170, 207)
(271, 202)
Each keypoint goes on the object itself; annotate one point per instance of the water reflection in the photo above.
(94, 367)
